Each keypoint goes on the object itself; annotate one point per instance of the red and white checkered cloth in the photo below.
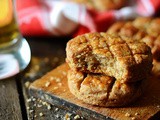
(60, 18)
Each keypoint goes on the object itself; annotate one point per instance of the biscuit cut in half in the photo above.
(126, 60)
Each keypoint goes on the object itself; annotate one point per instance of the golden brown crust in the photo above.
(88, 3)
(116, 27)
(108, 70)
(126, 60)
(149, 25)
(142, 22)
(108, 4)
(102, 90)
(143, 29)
(102, 5)
(126, 29)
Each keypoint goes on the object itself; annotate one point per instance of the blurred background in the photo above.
(75, 17)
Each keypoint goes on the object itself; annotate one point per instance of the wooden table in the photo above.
(15, 100)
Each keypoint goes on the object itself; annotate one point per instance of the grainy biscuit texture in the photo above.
(126, 60)
(107, 70)
(102, 90)
(142, 29)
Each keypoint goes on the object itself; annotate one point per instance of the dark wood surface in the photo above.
(9, 100)
(16, 103)
(57, 92)
(47, 53)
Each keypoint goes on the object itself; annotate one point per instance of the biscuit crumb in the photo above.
(55, 88)
(136, 113)
(67, 116)
(76, 117)
(39, 105)
(47, 83)
(48, 106)
(58, 79)
(27, 84)
(59, 84)
(33, 99)
(133, 118)
(44, 103)
(29, 100)
(128, 115)
(55, 78)
(56, 109)
(31, 111)
(41, 114)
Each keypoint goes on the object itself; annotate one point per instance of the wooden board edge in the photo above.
(61, 103)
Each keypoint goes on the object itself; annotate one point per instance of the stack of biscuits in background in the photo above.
(144, 29)
(107, 69)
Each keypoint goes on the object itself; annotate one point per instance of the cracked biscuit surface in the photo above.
(107, 70)
(102, 90)
(143, 29)
(125, 60)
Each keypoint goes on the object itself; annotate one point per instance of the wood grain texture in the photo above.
(9, 100)
(57, 92)
(36, 108)
(47, 53)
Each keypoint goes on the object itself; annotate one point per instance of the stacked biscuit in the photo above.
(107, 70)
(143, 29)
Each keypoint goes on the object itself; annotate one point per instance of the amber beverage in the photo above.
(9, 31)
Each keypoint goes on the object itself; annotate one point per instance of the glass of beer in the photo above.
(14, 49)
(9, 32)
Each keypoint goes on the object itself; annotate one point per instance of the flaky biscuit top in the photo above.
(141, 29)
(124, 59)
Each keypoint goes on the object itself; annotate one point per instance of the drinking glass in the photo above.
(14, 49)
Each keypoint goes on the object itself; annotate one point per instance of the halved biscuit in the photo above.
(124, 59)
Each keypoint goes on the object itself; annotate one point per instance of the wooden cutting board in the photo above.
(53, 88)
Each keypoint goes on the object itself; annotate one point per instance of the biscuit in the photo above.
(124, 59)
(102, 5)
(102, 90)
(148, 24)
(126, 29)
(87, 3)
(142, 29)
(142, 23)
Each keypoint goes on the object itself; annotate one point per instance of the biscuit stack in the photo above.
(107, 70)
(143, 29)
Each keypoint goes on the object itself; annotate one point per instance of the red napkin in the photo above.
(60, 18)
